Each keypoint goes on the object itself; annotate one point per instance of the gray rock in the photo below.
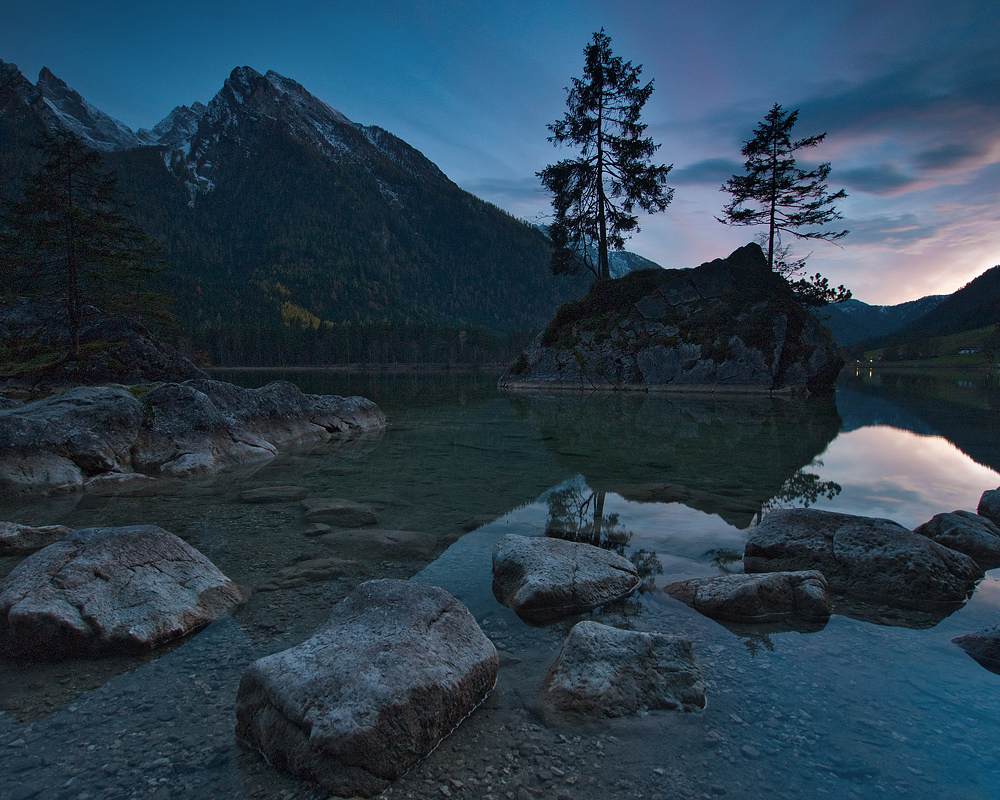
(55, 444)
(608, 672)
(181, 430)
(111, 590)
(871, 559)
(768, 597)
(989, 505)
(968, 533)
(338, 512)
(984, 646)
(543, 579)
(273, 494)
(19, 540)
(395, 668)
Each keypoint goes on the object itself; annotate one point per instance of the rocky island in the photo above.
(730, 325)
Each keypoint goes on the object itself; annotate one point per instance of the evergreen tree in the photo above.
(780, 195)
(594, 195)
(69, 244)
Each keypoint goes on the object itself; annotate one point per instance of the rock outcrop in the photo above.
(111, 590)
(104, 434)
(967, 533)
(113, 350)
(607, 672)
(730, 325)
(543, 579)
(767, 597)
(395, 668)
(862, 557)
(19, 540)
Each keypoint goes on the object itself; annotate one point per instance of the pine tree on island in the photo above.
(595, 194)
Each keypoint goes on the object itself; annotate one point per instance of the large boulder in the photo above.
(543, 579)
(608, 672)
(57, 443)
(200, 426)
(967, 533)
(111, 590)
(866, 558)
(394, 669)
(984, 646)
(19, 540)
(730, 325)
(768, 597)
(65, 442)
(989, 505)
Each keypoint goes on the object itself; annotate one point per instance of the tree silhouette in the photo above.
(779, 194)
(595, 194)
(70, 246)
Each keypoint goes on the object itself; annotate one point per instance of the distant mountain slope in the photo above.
(277, 210)
(853, 321)
(975, 305)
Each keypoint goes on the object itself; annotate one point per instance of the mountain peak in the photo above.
(69, 111)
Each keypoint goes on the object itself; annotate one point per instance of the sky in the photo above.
(907, 91)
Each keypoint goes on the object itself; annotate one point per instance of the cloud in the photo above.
(715, 171)
(950, 155)
(889, 231)
(879, 179)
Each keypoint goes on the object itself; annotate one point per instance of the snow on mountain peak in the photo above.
(71, 112)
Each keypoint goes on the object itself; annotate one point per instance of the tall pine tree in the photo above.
(780, 195)
(595, 194)
(69, 246)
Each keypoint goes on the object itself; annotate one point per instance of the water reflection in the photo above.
(729, 457)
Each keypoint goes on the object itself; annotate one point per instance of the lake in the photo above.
(870, 705)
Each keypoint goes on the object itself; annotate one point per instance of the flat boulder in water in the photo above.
(984, 646)
(968, 533)
(395, 668)
(867, 558)
(111, 590)
(767, 597)
(608, 672)
(544, 579)
(19, 540)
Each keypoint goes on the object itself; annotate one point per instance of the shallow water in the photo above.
(856, 709)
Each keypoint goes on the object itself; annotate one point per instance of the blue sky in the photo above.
(908, 93)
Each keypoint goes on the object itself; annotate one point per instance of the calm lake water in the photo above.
(871, 705)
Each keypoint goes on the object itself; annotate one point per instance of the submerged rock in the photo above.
(395, 668)
(967, 533)
(768, 597)
(608, 672)
(19, 540)
(341, 513)
(730, 325)
(543, 578)
(989, 505)
(111, 590)
(379, 543)
(871, 559)
(273, 494)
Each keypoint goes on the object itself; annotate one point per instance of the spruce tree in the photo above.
(69, 246)
(595, 194)
(777, 193)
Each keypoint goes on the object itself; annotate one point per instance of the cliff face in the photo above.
(730, 325)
